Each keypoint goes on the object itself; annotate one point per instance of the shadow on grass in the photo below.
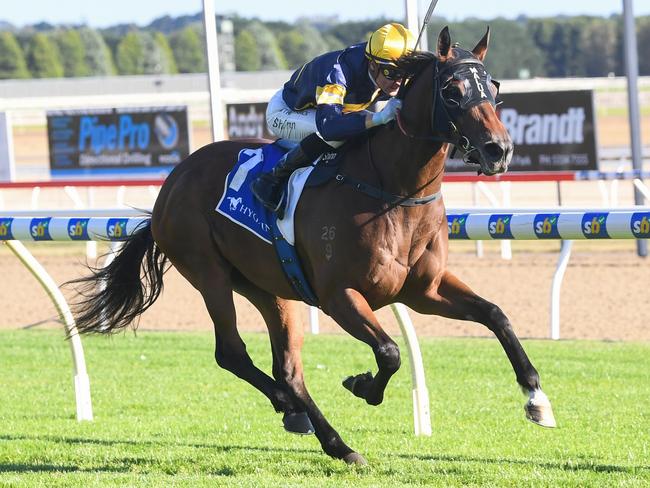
(54, 468)
(108, 442)
(565, 466)
(123, 465)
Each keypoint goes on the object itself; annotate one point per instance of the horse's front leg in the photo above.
(454, 299)
(285, 330)
(352, 312)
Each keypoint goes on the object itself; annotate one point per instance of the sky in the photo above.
(102, 13)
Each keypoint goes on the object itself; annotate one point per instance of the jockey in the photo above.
(324, 103)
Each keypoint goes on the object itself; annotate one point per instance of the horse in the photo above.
(386, 244)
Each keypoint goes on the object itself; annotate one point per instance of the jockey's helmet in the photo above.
(389, 42)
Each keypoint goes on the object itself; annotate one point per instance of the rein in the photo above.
(386, 197)
(390, 198)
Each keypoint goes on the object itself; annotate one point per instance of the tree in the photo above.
(271, 57)
(301, 44)
(349, 33)
(247, 56)
(153, 58)
(188, 51)
(511, 53)
(43, 58)
(138, 53)
(73, 53)
(167, 55)
(130, 55)
(12, 59)
(598, 47)
(643, 43)
(97, 56)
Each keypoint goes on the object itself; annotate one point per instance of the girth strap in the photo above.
(385, 196)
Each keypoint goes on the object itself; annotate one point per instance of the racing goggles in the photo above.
(391, 72)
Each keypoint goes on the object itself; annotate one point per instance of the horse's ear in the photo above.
(481, 48)
(444, 44)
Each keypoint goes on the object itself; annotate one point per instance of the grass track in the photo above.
(166, 415)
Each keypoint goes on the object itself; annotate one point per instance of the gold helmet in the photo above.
(389, 42)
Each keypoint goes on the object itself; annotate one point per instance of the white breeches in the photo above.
(289, 124)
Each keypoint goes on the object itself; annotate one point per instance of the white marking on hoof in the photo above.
(538, 409)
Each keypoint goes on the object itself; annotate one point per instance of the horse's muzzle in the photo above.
(496, 156)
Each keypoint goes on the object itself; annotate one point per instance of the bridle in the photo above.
(443, 108)
(443, 111)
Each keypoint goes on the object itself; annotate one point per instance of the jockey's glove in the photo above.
(387, 113)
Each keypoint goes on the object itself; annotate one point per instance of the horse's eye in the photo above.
(452, 94)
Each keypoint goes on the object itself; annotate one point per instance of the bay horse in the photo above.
(378, 250)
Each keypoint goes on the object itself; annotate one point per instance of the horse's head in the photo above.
(467, 98)
(463, 103)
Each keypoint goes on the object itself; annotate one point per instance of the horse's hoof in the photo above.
(355, 458)
(298, 423)
(539, 411)
(358, 384)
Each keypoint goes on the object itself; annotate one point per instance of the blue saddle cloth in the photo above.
(237, 202)
(239, 205)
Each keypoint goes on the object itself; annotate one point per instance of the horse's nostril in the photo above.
(494, 151)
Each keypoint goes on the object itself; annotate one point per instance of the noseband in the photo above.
(443, 108)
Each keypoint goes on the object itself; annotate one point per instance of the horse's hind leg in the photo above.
(210, 275)
(286, 335)
(456, 300)
(351, 311)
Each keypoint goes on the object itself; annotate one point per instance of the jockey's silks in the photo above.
(338, 85)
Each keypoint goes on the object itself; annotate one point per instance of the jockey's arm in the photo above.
(334, 125)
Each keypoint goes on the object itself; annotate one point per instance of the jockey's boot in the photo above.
(268, 188)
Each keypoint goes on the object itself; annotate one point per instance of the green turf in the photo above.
(166, 415)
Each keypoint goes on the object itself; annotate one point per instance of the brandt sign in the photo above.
(552, 131)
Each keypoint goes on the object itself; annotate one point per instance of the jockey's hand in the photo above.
(387, 113)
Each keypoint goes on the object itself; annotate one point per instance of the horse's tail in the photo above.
(112, 297)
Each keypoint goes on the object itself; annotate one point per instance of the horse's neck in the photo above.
(412, 165)
(408, 166)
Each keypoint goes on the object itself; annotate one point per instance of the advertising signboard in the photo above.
(247, 120)
(146, 141)
(551, 131)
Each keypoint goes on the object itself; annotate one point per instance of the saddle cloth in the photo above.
(238, 204)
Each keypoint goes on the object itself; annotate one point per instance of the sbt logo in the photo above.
(5, 229)
(125, 135)
(78, 229)
(545, 226)
(456, 225)
(640, 224)
(116, 228)
(594, 225)
(499, 226)
(39, 229)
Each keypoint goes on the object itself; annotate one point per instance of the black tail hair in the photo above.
(114, 296)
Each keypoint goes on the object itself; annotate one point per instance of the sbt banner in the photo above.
(551, 131)
(147, 141)
(247, 120)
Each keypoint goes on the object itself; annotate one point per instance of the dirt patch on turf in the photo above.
(605, 295)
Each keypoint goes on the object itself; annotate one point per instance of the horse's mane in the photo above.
(412, 63)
